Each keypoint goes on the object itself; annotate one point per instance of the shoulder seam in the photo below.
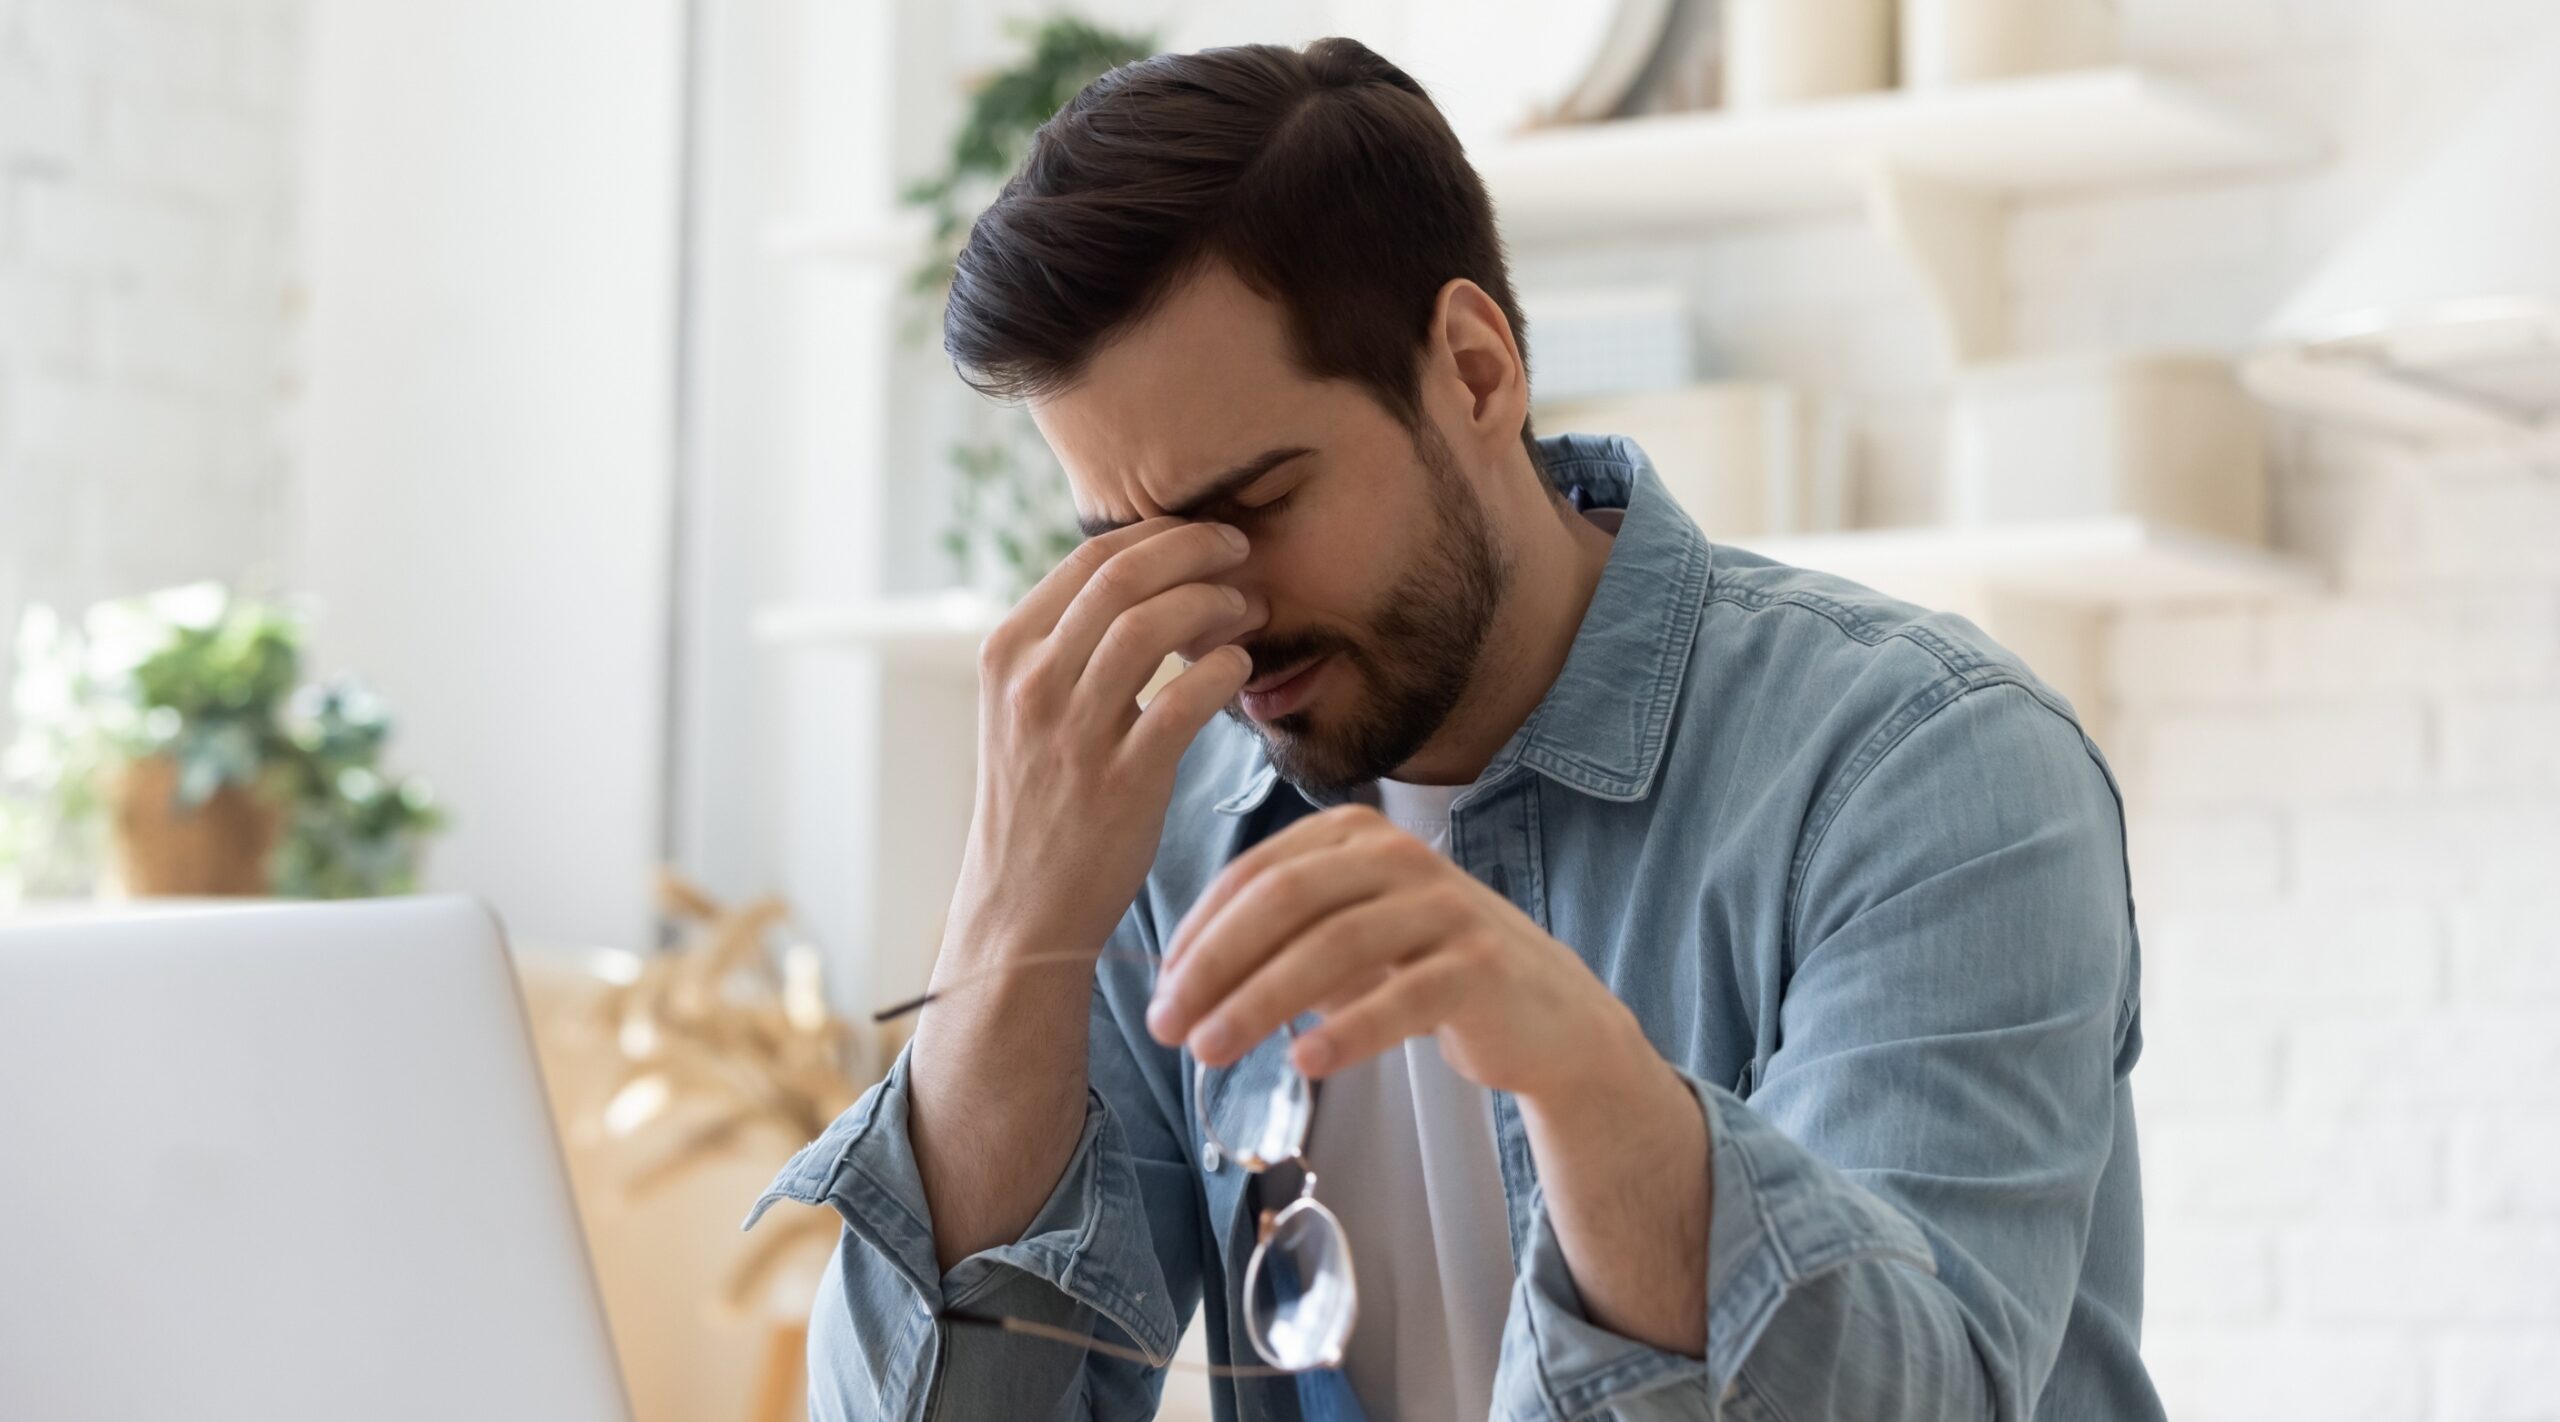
(1956, 658)
(1912, 715)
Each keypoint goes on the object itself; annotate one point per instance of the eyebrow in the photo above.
(1225, 486)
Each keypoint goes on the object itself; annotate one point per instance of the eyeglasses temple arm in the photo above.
(1069, 1336)
(920, 1001)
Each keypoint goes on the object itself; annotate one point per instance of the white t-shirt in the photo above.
(1402, 1147)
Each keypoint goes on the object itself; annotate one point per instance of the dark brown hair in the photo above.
(1324, 177)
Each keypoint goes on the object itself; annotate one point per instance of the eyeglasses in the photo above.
(1300, 1292)
(1301, 1295)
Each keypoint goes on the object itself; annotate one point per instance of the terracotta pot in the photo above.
(221, 847)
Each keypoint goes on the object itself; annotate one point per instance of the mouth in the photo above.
(1277, 693)
(1265, 681)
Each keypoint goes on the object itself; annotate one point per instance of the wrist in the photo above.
(993, 922)
(1005, 912)
(993, 976)
(1613, 1069)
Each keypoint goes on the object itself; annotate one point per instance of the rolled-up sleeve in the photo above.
(1112, 1254)
(1902, 1204)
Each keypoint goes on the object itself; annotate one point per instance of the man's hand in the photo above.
(1074, 780)
(1073, 777)
(1346, 914)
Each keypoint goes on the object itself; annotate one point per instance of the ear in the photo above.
(1475, 379)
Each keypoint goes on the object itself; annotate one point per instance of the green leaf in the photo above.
(1005, 109)
(214, 682)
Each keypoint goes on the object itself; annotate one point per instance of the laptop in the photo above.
(282, 1163)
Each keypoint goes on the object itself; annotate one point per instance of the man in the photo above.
(1720, 979)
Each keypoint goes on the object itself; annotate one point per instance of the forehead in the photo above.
(1205, 381)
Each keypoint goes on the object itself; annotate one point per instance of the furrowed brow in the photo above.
(1225, 486)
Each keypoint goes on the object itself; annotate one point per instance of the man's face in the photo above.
(1370, 546)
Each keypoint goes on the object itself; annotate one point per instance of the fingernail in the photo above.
(1213, 1042)
(1235, 597)
(1233, 535)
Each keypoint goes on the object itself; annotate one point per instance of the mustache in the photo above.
(1270, 654)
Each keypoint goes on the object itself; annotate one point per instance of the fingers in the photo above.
(1414, 999)
(1037, 614)
(1186, 618)
(1279, 906)
(1337, 961)
(1183, 705)
(1409, 1003)
(1182, 553)
(1125, 600)
(1330, 827)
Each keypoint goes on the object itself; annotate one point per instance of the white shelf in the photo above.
(2048, 133)
(2108, 562)
(1680, 172)
(1933, 171)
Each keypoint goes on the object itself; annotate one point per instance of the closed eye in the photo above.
(1274, 504)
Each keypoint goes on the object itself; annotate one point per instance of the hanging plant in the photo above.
(1005, 109)
(1010, 519)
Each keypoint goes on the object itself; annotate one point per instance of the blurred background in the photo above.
(505, 447)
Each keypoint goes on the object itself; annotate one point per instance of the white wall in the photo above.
(489, 200)
(730, 764)
(146, 176)
(2347, 809)
(2349, 819)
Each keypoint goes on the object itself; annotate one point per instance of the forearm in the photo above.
(1108, 1253)
(996, 1087)
(1622, 1158)
(1070, 807)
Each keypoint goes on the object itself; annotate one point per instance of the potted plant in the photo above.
(169, 745)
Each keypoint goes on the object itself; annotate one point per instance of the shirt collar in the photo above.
(1601, 728)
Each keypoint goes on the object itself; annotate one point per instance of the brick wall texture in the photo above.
(146, 168)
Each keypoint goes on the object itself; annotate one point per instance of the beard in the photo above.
(1416, 657)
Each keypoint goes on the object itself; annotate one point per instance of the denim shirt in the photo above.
(1861, 879)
